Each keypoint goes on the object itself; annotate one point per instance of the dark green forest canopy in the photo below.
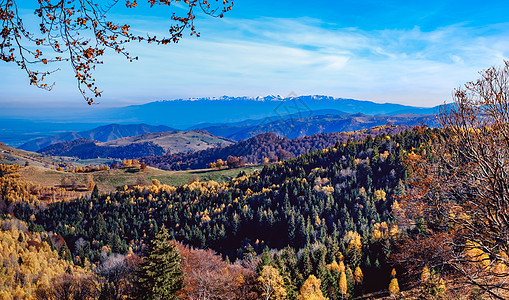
(311, 206)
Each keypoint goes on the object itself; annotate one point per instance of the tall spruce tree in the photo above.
(161, 275)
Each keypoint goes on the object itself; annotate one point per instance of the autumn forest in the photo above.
(299, 197)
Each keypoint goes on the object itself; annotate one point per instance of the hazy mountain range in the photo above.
(323, 121)
(231, 117)
(184, 114)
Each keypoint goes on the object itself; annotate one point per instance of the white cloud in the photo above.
(277, 56)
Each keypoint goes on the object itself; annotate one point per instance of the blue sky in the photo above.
(407, 52)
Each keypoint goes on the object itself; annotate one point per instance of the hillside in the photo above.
(315, 122)
(88, 149)
(330, 216)
(150, 144)
(266, 145)
(14, 156)
(9, 155)
(326, 213)
(174, 141)
(103, 134)
(109, 180)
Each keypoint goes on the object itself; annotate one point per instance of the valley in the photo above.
(254, 150)
(323, 199)
(299, 208)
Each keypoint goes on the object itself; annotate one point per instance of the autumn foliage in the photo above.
(207, 276)
(80, 33)
(15, 190)
(457, 210)
(30, 266)
(324, 215)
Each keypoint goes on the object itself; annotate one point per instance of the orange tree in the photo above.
(457, 207)
(79, 32)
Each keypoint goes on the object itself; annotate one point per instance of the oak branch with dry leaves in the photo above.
(460, 190)
(79, 32)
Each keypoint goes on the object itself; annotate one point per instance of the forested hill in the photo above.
(103, 134)
(266, 145)
(148, 144)
(299, 125)
(328, 213)
(87, 149)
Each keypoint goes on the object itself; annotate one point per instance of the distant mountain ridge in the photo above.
(251, 122)
(237, 109)
(183, 115)
(102, 134)
(302, 123)
(322, 121)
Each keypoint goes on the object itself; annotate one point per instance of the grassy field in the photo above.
(41, 171)
(183, 177)
(9, 155)
(109, 180)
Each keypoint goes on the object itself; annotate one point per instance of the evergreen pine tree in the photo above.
(291, 230)
(161, 274)
(265, 259)
(95, 193)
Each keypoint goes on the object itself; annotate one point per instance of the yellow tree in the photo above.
(91, 182)
(219, 163)
(354, 248)
(358, 276)
(394, 287)
(30, 268)
(310, 290)
(271, 284)
(341, 266)
(127, 163)
(425, 275)
(343, 285)
(379, 195)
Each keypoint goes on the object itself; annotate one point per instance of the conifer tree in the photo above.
(350, 281)
(95, 192)
(265, 259)
(161, 274)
